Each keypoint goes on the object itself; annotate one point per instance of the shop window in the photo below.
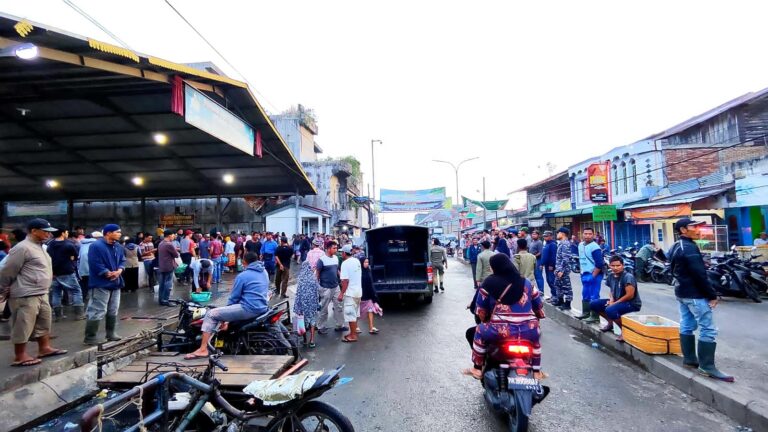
(633, 174)
(624, 178)
(584, 191)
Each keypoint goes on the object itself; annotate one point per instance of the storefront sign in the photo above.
(177, 220)
(604, 213)
(36, 208)
(536, 223)
(597, 180)
(673, 211)
(205, 114)
(751, 191)
(414, 200)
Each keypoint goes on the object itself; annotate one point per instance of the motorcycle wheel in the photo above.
(518, 422)
(752, 293)
(656, 276)
(314, 416)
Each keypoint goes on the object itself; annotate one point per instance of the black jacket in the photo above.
(688, 268)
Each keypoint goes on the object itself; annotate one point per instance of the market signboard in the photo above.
(673, 211)
(177, 220)
(412, 201)
(605, 213)
(597, 181)
(19, 208)
(207, 115)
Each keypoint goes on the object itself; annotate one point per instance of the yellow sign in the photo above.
(177, 220)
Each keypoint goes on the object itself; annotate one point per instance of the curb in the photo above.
(740, 407)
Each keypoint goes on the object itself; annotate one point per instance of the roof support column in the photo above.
(218, 213)
(298, 217)
(70, 214)
(143, 214)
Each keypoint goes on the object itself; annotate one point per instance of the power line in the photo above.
(96, 23)
(242, 75)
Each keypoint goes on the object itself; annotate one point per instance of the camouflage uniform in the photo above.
(563, 264)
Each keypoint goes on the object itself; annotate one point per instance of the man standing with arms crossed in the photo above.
(697, 300)
(351, 291)
(591, 264)
(26, 278)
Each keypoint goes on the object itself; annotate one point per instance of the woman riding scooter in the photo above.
(508, 307)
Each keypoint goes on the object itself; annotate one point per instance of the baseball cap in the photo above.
(347, 249)
(110, 228)
(40, 224)
(547, 233)
(684, 222)
(188, 232)
(317, 242)
(564, 230)
(168, 232)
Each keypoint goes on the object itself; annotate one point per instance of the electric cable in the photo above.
(93, 20)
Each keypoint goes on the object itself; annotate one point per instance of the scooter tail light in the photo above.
(518, 349)
(276, 317)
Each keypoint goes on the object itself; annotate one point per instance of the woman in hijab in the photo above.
(508, 307)
(502, 247)
(306, 299)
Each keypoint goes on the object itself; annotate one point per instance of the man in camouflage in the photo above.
(563, 270)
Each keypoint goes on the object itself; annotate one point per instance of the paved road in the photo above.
(407, 378)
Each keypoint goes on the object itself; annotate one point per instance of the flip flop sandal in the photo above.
(194, 357)
(358, 331)
(468, 372)
(312, 345)
(30, 362)
(348, 340)
(54, 353)
(374, 331)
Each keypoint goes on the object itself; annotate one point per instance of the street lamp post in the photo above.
(373, 177)
(456, 171)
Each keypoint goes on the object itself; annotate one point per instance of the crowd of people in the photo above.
(509, 269)
(46, 268)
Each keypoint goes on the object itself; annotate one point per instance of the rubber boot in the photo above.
(584, 310)
(707, 362)
(58, 313)
(111, 325)
(593, 318)
(91, 330)
(565, 305)
(688, 347)
(79, 312)
(442, 288)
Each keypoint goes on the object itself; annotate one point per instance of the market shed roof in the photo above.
(84, 114)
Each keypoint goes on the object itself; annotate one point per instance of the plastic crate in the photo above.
(203, 297)
(651, 334)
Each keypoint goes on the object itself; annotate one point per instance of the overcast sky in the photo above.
(518, 84)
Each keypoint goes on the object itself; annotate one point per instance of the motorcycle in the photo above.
(729, 281)
(627, 258)
(575, 265)
(510, 387)
(265, 334)
(659, 269)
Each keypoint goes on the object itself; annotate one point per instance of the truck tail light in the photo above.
(429, 273)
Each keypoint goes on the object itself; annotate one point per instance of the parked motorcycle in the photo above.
(510, 387)
(729, 280)
(627, 258)
(658, 268)
(575, 265)
(265, 334)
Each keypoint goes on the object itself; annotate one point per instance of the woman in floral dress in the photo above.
(307, 299)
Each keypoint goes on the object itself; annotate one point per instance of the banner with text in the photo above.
(410, 201)
(597, 180)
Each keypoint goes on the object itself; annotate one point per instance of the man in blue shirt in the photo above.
(591, 264)
(268, 250)
(548, 261)
(249, 298)
(106, 263)
(472, 252)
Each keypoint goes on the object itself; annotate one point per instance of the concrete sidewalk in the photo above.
(742, 351)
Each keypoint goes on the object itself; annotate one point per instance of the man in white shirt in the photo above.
(762, 240)
(202, 274)
(351, 291)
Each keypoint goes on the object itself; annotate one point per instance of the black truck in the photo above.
(399, 260)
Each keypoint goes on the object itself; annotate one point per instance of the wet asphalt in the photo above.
(407, 377)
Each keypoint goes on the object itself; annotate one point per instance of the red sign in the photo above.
(672, 211)
(597, 179)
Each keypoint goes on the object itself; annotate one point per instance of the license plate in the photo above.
(524, 383)
(219, 344)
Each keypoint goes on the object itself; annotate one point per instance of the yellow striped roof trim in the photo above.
(112, 49)
(23, 28)
(192, 71)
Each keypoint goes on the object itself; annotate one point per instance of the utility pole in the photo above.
(485, 216)
(373, 174)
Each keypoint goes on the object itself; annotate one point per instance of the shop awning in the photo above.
(672, 207)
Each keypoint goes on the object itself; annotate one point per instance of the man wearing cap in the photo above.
(351, 291)
(697, 300)
(26, 279)
(564, 291)
(64, 256)
(316, 252)
(166, 263)
(106, 263)
(548, 262)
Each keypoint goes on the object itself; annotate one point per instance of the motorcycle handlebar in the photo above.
(216, 362)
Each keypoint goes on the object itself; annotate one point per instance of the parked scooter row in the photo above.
(732, 276)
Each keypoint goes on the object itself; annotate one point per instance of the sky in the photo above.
(517, 84)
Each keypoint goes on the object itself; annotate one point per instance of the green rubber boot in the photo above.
(584, 310)
(111, 325)
(91, 329)
(593, 318)
(688, 347)
(707, 362)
